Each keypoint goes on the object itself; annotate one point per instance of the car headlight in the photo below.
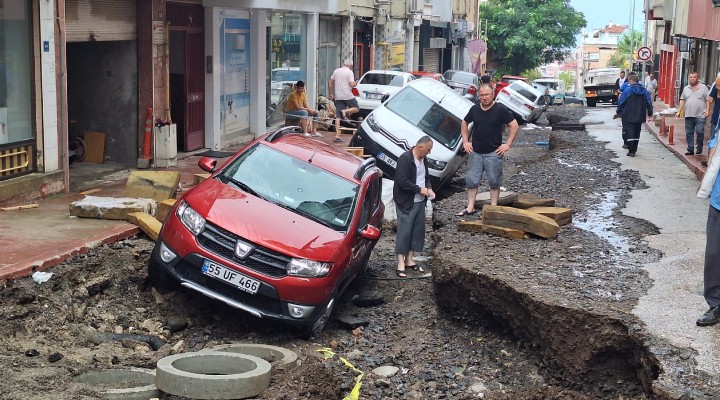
(190, 218)
(308, 268)
(435, 164)
(372, 123)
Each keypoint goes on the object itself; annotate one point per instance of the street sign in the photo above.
(644, 53)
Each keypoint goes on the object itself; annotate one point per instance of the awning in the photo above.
(319, 6)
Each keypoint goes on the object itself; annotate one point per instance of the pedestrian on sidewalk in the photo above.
(635, 107)
(624, 86)
(711, 273)
(694, 101)
(411, 190)
(486, 149)
(650, 84)
(340, 87)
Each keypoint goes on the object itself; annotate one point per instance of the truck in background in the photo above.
(599, 86)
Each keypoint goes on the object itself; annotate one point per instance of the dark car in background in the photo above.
(282, 246)
(464, 83)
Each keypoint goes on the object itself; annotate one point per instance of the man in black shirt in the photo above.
(486, 149)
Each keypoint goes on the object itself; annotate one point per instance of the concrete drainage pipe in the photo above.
(212, 375)
(278, 357)
(116, 379)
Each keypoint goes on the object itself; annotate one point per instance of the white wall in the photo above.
(50, 151)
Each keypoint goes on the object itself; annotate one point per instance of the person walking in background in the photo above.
(411, 189)
(635, 107)
(297, 106)
(340, 87)
(714, 103)
(619, 82)
(694, 101)
(486, 148)
(650, 84)
(623, 85)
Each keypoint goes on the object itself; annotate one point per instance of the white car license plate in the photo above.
(459, 90)
(231, 277)
(373, 96)
(516, 102)
(386, 159)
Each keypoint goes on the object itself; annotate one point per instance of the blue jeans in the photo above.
(695, 126)
(714, 129)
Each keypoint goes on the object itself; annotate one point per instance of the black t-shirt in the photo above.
(488, 126)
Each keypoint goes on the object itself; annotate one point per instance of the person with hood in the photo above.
(635, 107)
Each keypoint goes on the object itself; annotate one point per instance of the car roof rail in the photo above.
(364, 166)
(282, 132)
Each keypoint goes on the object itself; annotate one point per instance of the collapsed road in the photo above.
(583, 315)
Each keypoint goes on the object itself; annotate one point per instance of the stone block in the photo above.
(164, 208)
(149, 224)
(156, 185)
(111, 207)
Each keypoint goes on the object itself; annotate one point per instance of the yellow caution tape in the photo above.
(355, 392)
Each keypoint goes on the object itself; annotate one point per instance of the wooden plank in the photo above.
(94, 147)
(556, 213)
(523, 220)
(504, 198)
(164, 208)
(358, 151)
(198, 178)
(91, 191)
(22, 207)
(530, 200)
(479, 226)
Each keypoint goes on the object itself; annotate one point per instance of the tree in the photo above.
(568, 78)
(628, 43)
(523, 34)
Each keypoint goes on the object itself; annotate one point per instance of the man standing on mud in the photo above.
(711, 281)
(634, 104)
(693, 101)
(486, 148)
(340, 87)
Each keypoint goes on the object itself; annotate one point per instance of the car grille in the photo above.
(261, 259)
(258, 301)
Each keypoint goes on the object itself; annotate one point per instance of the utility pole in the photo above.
(632, 33)
(645, 35)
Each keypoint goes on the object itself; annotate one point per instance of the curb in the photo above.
(698, 171)
(61, 254)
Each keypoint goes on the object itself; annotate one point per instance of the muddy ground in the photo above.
(500, 318)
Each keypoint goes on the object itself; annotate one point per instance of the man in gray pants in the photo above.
(693, 100)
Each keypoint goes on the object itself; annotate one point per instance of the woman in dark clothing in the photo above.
(410, 191)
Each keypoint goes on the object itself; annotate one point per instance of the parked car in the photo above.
(278, 246)
(525, 102)
(506, 80)
(375, 84)
(465, 83)
(281, 82)
(430, 75)
(556, 89)
(422, 107)
(571, 98)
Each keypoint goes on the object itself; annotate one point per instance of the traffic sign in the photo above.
(644, 53)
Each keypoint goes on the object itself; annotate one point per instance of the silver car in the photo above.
(524, 101)
(464, 83)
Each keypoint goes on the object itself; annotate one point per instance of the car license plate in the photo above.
(516, 102)
(459, 90)
(606, 92)
(386, 159)
(374, 96)
(231, 277)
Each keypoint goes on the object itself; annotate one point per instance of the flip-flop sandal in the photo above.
(400, 273)
(465, 213)
(416, 268)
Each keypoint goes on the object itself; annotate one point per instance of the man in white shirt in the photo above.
(694, 100)
(340, 87)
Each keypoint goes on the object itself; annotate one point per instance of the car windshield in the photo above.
(460, 76)
(301, 187)
(428, 116)
(550, 84)
(382, 79)
(524, 91)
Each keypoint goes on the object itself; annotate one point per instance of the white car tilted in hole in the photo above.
(524, 101)
(375, 84)
(422, 107)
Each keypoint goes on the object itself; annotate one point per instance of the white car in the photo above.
(375, 84)
(524, 101)
(422, 107)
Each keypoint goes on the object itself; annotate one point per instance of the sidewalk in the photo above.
(36, 239)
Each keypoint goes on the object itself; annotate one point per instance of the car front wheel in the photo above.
(159, 278)
(316, 326)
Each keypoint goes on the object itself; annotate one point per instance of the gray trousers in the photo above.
(410, 229)
(712, 259)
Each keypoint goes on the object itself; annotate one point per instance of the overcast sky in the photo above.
(599, 13)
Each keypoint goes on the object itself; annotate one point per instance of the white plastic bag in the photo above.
(711, 173)
(387, 199)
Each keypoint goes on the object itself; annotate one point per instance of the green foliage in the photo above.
(626, 48)
(568, 78)
(531, 74)
(523, 34)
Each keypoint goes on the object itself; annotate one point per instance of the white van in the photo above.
(422, 107)
(557, 88)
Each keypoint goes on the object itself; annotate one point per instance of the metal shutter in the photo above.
(100, 20)
(431, 60)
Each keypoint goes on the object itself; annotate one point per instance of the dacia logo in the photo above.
(242, 249)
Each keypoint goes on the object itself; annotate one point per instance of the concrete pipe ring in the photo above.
(213, 375)
(278, 357)
(143, 378)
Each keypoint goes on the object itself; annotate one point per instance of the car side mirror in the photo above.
(207, 164)
(370, 232)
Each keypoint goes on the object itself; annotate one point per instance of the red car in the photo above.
(279, 231)
(431, 75)
(506, 80)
